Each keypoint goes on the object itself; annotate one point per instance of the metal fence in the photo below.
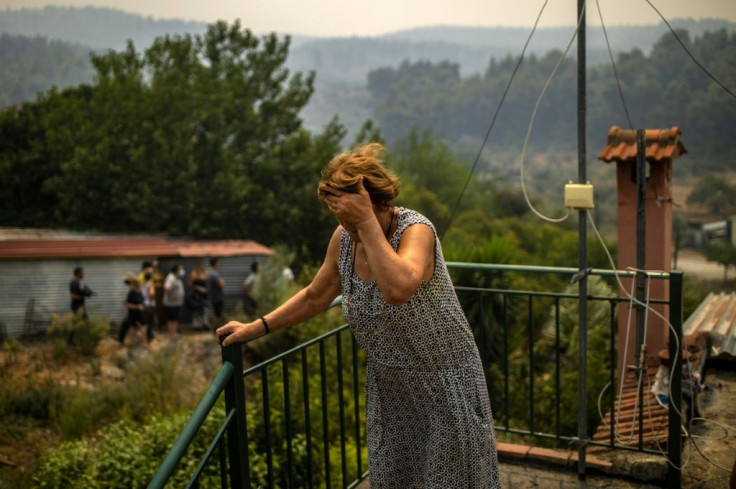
(297, 419)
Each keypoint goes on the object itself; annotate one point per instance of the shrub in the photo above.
(127, 454)
(28, 398)
(83, 332)
(153, 385)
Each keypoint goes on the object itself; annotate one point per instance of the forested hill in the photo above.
(96, 27)
(33, 64)
(350, 59)
(345, 59)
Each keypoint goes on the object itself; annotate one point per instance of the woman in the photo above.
(134, 303)
(428, 416)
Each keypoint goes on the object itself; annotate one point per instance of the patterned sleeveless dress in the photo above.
(429, 422)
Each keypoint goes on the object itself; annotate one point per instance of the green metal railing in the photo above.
(297, 419)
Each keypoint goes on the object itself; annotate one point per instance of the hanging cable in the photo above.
(534, 115)
(613, 65)
(705, 70)
(493, 122)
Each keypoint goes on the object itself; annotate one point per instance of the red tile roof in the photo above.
(662, 144)
(625, 413)
(15, 249)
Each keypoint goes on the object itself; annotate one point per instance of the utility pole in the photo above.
(582, 254)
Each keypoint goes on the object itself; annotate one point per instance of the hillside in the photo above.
(342, 65)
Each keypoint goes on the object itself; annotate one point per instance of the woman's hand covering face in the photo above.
(351, 209)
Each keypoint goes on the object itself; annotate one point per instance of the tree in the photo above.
(715, 194)
(196, 136)
(722, 253)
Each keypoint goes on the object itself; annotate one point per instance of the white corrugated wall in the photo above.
(47, 283)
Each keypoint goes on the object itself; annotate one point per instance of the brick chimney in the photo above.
(662, 147)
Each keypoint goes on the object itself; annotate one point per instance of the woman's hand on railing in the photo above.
(234, 332)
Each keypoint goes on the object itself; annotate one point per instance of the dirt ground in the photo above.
(694, 264)
(710, 452)
(24, 440)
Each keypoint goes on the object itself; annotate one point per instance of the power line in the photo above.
(613, 65)
(493, 122)
(705, 70)
(534, 116)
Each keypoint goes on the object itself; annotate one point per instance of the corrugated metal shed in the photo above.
(37, 266)
(716, 315)
(662, 144)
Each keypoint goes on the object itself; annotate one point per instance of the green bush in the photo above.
(153, 385)
(83, 332)
(29, 399)
(128, 454)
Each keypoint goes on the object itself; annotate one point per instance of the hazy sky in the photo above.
(374, 17)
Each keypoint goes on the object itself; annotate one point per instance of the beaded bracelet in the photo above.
(265, 325)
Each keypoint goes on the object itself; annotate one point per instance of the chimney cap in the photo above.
(662, 144)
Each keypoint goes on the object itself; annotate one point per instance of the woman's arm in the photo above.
(398, 274)
(306, 303)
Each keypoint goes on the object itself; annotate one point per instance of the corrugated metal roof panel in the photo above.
(662, 144)
(221, 248)
(716, 315)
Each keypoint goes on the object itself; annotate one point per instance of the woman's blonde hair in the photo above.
(343, 172)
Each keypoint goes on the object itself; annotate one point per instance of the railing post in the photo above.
(237, 436)
(674, 442)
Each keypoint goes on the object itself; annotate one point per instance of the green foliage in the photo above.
(433, 177)
(84, 333)
(33, 64)
(33, 398)
(715, 194)
(127, 454)
(334, 398)
(136, 149)
(154, 384)
(549, 349)
(722, 253)
(662, 90)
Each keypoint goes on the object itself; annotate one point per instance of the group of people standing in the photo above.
(154, 301)
(150, 288)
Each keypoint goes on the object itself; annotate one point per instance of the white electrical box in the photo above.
(579, 195)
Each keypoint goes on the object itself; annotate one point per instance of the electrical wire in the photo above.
(674, 361)
(533, 117)
(613, 65)
(493, 122)
(703, 68)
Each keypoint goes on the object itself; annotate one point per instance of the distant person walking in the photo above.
(216, 292)
(79, 292)
(135, 304)
(174, 299)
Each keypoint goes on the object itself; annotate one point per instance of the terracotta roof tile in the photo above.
(662, 144)
(655, 417)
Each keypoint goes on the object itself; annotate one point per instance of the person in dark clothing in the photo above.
(79, 292)
(215, 292)
(134, 302)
